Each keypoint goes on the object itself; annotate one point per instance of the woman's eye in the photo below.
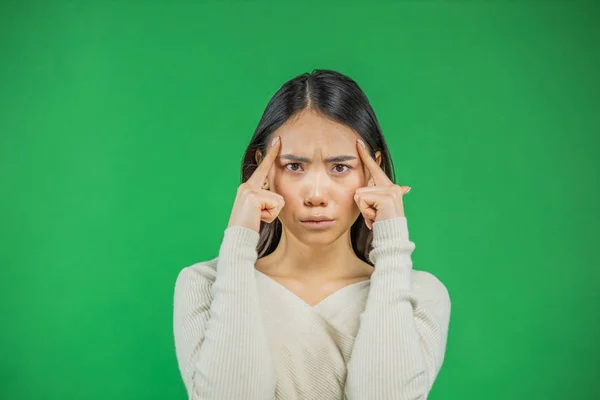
(341, 165)
(339, 168)
(293, 170)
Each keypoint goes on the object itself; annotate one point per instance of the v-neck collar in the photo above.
(350, 287)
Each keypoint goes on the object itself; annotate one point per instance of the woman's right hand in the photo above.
(254, 204)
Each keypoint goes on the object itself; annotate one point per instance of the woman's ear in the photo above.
(258, 156)
(371, 182)
(378, 157)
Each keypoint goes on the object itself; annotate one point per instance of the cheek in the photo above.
(345, 195)
(288, 191)
(343, 192)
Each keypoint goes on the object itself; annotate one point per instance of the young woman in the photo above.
(313, 294)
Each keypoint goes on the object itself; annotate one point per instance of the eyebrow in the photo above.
(295, 158)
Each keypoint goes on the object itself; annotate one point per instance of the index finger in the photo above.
(261, 172)
(379, 176)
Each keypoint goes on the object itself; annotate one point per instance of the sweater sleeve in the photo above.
(220, 342)
(401, 341)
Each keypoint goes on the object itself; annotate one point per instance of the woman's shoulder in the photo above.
(429, 287)
(200, 272)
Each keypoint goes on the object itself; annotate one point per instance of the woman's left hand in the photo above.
(383, 200)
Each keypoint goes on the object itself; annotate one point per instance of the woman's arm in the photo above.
(221, 346)
(401, 341)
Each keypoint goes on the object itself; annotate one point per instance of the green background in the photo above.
(122, 129)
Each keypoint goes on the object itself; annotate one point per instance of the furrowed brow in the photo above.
(299, 159)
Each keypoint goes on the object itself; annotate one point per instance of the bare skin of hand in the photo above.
(383, 200)
(254, 204)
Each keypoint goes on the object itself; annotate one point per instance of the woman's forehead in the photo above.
(312, 128)
(310, 141)
(318, 148)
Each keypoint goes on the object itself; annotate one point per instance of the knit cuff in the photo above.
(390, 230)
(238, 255)
(392, 250)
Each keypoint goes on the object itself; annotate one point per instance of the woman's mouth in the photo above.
(318, 224)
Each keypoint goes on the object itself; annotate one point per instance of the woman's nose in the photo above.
(316, 191)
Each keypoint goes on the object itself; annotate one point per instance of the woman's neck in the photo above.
(307, 261)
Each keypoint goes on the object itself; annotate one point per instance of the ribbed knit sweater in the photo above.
(239, 334)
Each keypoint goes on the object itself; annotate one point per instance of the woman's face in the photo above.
(312, 185)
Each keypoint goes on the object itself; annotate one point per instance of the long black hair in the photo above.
(339, 98)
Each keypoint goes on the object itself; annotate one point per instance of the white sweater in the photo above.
(239, 334)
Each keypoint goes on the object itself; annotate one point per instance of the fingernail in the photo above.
(408, 190)
(361, 143)
(274, 141)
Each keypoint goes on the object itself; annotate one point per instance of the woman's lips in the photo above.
(318, 224)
